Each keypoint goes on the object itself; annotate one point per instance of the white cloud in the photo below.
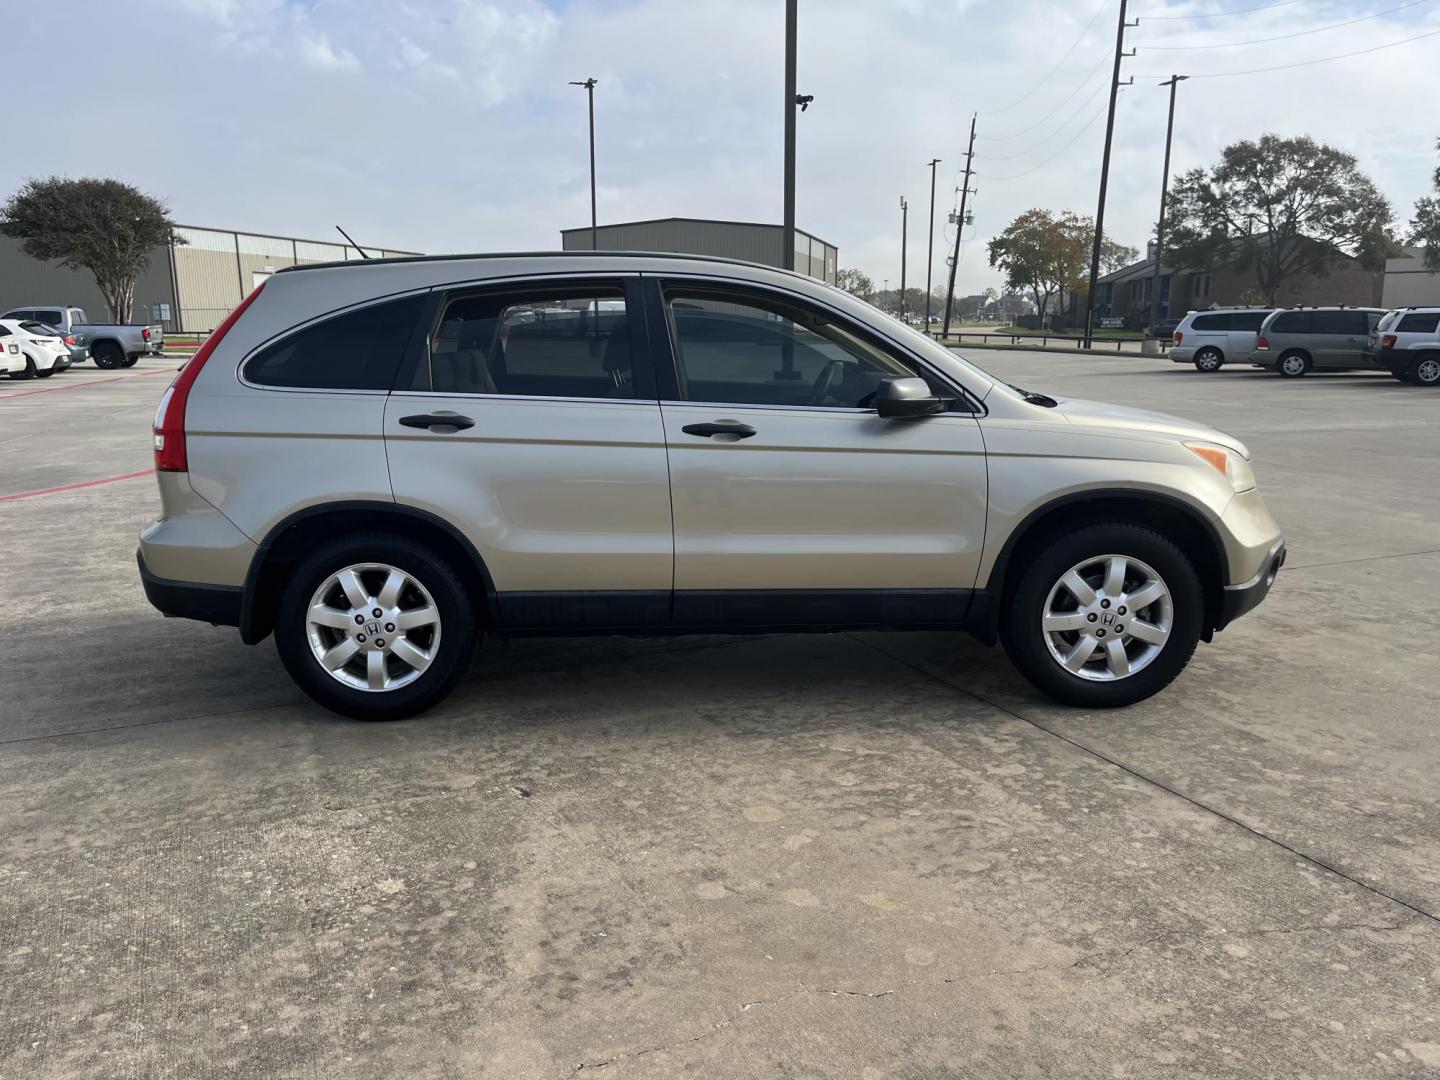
(453, 127)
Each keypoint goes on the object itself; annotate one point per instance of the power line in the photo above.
(1062, 127)
(1088, 125)
(1063, 102)
(1073, 46)
(1305, 63)
(1283, 37)
(1218, 14)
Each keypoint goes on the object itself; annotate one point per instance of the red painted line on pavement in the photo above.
(73, 487)
(87, 382)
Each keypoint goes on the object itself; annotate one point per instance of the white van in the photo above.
(1210, 339)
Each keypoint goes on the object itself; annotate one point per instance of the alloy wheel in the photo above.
(1107, 618)
(372, 626)
(1427, 372)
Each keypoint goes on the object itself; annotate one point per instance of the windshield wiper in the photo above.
(1034, 398)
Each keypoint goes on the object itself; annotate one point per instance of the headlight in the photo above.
(1226, 462)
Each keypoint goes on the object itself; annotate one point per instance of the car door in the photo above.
(794, 502)
(1339, 338)
(1244, 331)
(555, 466)
(1212, 330)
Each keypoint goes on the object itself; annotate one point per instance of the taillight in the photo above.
(1388, 341)
(1178, 337)
(69, 339)
(170, 416)
(1262, 343)
(145, 332)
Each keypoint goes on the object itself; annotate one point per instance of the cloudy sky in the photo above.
(448, 125)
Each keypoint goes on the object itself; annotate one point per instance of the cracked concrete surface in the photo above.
(873, 855)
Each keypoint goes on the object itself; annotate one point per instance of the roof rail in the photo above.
(397, 259)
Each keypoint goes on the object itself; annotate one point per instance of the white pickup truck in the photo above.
(111, 345)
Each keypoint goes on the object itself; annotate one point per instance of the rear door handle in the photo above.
(438, 420)
(722, 427)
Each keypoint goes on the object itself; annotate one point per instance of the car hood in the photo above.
(1101, 414)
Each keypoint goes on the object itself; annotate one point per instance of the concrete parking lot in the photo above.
(869, 855)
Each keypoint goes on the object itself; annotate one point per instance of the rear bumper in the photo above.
(1182, 354)
(217, 604)
(1246, 597)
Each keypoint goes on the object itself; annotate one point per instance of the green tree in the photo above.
(105, 226)
(856, 283)
(1046, 255)
(1425, 225)
(1279, 207)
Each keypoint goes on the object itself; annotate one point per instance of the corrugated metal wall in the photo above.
(24, 280)
(751, 241)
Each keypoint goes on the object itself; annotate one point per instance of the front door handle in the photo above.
(438, 420)
(721, 427)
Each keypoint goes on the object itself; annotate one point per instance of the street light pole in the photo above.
(1173, 81)
(1104, 179)
(788, 230)
(904, 224)
(589, 85)
(930, 243)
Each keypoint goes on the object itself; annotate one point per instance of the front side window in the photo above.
(1247, 320)
(570, 342)
(359, 350)
(738, 349)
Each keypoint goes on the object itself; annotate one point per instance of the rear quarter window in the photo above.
(359, 350)
(1291, 322)
(1211, 322)
(1418, 323)
(1247, 320)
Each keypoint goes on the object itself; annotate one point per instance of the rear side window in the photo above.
(1291, 322)
(1339, 322)
(1418, 323)
(1211, 322)
(360, 350)
(54, 318)
(1247, 320)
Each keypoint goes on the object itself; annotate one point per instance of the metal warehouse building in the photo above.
(187, 287)
(747, 240)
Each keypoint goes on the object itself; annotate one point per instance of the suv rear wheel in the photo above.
(1105, 617)
(1426, 371)
(1293, 364)
(376, 627)
(1209, 359)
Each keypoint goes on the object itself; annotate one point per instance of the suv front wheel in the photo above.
(1105, 617)
(375, 627)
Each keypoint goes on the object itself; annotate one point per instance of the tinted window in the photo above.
(1247, 320)
(1418, 323)
(1211, 322)
(54, 318)
(1291, 322)
(360, 350)
(566, 342)
(746, 350)
(1339, 322)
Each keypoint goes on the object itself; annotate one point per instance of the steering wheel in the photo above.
(823, 382)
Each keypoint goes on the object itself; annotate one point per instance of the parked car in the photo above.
(74, 343)
(747, 449)
(12, 360)
(111, 345)
(1211, 339)
(43, 351)
(1164, 329)
(1407, 344)
(1296, 341)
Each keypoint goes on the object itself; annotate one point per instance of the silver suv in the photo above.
(378, 461)
(1407, 344)
(1211, 339)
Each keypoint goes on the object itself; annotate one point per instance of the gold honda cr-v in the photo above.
(379, 461)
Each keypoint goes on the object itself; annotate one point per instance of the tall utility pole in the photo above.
(959, 227)
(930, 243)
(788, 231)
(904, 223)
(1164, 192)
(1105, 176)
(589, 85)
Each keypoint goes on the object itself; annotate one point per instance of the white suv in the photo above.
(1407, 342)
(1211, 339)
(377, 461)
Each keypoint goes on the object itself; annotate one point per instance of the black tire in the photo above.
(45, 373)
(107, 355)
(1209, 360)
(28, 373)
(129, 361)
(451, 598)
(1025, 641)
(1294, 364)
(1426, 370)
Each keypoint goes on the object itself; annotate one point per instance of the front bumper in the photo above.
(1246, 597)
(216, 604)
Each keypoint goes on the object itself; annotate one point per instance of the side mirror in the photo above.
(899, 399)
